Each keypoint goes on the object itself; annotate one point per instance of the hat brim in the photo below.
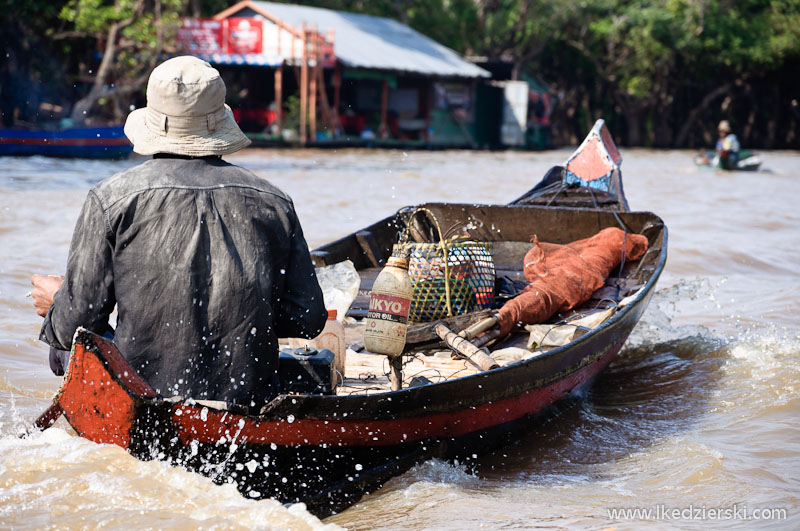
(226, 139)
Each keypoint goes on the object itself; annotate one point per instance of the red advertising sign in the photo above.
(244, 35)
(200, 35)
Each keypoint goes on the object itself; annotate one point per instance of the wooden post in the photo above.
(396, 376)
(52, 414)
(312, 89)
(328, 117)
(384, 129)
(337, 90)
(279, 98)
(429, 110)
(304, 89)
(312, 97)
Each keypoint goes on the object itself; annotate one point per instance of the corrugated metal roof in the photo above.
(364, 41)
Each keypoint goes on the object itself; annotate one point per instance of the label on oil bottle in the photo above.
(389, 308)
(386, 324)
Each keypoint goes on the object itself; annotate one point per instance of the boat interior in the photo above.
(427, 359)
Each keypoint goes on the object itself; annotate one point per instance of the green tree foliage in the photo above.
(634, 49)
(514, 29)
(135, 34)
(652, 66)
(657, 70)
(204, 8)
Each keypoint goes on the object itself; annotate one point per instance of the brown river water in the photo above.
(699, 414)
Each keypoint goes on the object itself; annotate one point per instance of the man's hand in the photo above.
(44, 288)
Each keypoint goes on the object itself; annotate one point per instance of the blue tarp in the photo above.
(240, 59)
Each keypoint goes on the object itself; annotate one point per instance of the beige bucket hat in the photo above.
(186, 112)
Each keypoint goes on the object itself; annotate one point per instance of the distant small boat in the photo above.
(81, 142)
(748, 161)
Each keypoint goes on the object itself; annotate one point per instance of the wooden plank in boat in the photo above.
(370, 247)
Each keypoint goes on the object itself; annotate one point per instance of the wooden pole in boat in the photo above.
(487, 338)
(465, 348)
(46, 419)
(49, 417)
(476, 329)
(396, 374)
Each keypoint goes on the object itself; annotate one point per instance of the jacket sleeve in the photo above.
(301, 307)
(86, 297)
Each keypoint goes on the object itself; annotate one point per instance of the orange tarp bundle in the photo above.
(563, 276)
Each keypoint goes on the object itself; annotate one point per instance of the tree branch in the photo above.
(683, 134)
(592, 59)
(74, 35)
(85, 104)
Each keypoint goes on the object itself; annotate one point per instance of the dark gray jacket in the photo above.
(207, 265)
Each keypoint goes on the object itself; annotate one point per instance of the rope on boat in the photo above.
(624, 228)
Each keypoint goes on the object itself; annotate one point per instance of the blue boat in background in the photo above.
(108, 142)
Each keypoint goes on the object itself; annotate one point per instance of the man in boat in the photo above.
(205, 262)
(727, 147)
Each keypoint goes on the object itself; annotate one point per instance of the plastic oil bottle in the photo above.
(331, 338)
(387, 319)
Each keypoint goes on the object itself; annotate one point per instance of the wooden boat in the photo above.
(328, 450)
(748, 161)
(81, 142)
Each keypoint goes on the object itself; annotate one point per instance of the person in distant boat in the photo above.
(727, 147)
(205, 261)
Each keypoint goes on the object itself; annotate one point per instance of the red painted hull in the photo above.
(195, 424)
(102, 393)
(106, 402)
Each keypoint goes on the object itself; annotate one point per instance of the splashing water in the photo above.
(700, 407)
(56, 479)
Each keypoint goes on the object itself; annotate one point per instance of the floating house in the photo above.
(331, 77)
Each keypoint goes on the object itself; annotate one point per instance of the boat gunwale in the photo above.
(319, 401)
(307, 406)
